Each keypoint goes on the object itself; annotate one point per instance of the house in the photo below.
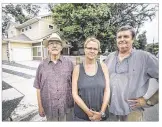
(24, 41)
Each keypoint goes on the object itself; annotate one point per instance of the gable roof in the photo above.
(31, 21)
(28, 22)
(10, 23)
(48, 34)
(24, 39)
(21, 37)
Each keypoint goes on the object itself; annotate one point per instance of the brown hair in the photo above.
(127, 27)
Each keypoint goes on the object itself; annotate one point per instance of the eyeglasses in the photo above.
(54, 43)
(90, 48)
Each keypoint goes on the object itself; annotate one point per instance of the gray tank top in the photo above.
(91, 91)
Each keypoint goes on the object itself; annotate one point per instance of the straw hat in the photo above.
(54, 37)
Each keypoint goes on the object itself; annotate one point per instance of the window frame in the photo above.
(49, 26)
(38, 49)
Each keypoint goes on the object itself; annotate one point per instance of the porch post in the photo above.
(68, 51)
(41, 50)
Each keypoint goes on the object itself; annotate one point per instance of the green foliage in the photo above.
(79, 21)
(153, 48)
(142, 41)
(136, 44)
(5, 20)
(50, 7)
(31, 9)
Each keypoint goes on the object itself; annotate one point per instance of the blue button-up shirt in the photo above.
(129, 79)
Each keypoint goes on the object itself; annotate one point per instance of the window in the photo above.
(36, 51)
(22, 30)
(30, 27)
(50, 26)
(39, 51)
(26, 28)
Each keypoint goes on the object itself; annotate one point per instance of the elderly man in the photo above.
(130, 71)
(53, 83)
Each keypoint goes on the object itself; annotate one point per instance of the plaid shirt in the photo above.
(54, 82)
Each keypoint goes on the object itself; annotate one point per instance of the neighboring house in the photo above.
(24, 41)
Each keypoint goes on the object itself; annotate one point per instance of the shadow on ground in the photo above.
(8, 107)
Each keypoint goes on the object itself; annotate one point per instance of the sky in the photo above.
(152, 29)
(150, 26)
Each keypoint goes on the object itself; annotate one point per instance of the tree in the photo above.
(5, 20)
(153, 48)
(142, 41)
(78, 21)
(136, 44)
(15, 11)
(50, 7)
(31, 9)
(19, 12)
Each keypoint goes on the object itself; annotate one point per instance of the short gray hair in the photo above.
(127, 27)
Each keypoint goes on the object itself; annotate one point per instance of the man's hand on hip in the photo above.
(136, 103)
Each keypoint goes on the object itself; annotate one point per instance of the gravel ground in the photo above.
(18, 65)
(17, 73)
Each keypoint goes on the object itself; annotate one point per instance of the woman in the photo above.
(90, 85)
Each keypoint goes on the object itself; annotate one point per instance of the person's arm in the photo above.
(76, 97)
(142, 102)
(70, 101)
(152, 70)
(37, 85)
(40, 107)
(107, 88)
(152, 67)
(154, 99)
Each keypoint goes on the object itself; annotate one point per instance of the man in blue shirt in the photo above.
(130, 71)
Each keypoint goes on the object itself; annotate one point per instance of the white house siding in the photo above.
(44, 27)
(32, 33)
(4, 52)
(12, 31)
